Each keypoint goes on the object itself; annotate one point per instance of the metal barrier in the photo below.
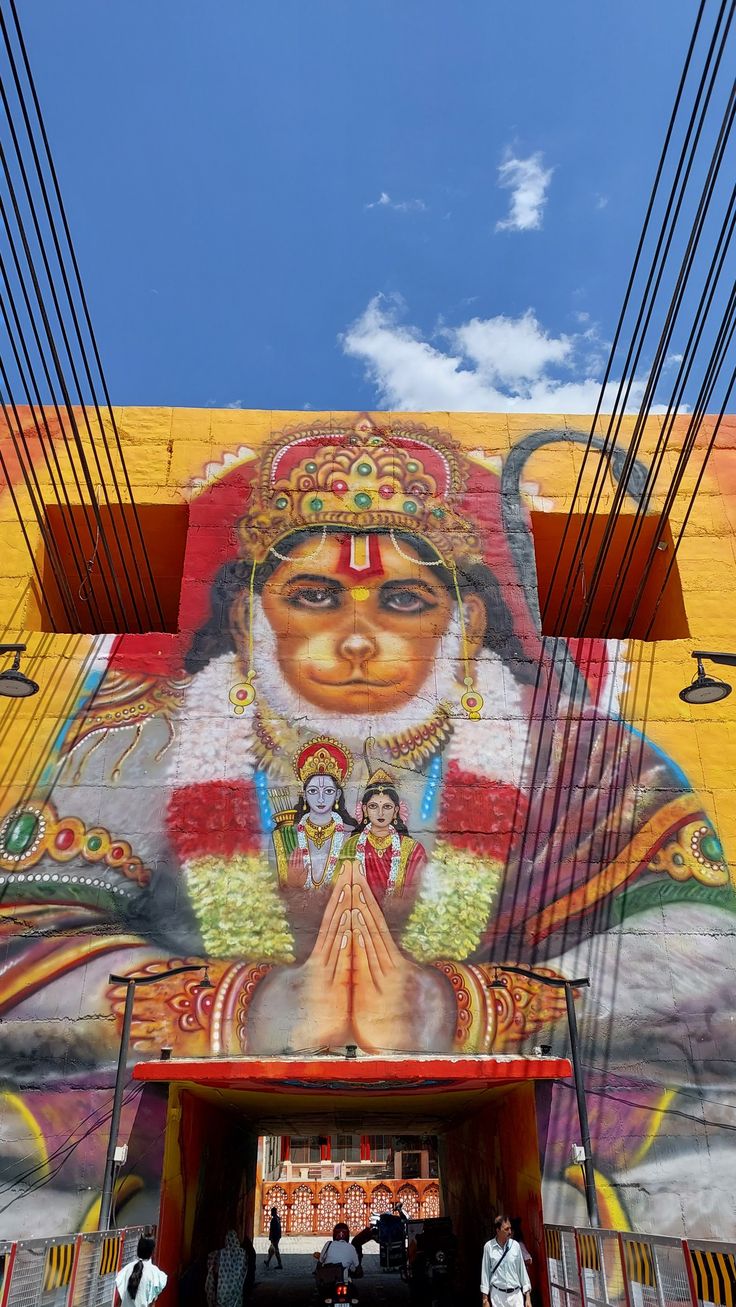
(608, 1268)
(69, 1271)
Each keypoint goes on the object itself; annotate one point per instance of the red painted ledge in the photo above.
(410, 1071)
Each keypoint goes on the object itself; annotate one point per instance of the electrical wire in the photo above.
(77, 332)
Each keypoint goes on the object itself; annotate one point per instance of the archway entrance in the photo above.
(481, 1111)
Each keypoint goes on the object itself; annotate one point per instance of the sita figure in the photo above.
(389, 858)
(309, 839)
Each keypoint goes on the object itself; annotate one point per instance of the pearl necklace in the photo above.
(395, 854)
(337, 839)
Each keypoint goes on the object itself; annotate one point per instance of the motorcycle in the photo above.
(333, 1289)
(432, 1268)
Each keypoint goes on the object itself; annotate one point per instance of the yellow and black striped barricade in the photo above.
(7, 1257)
(43, 1272)
(98, 1264)
(601, 1270)
(712, 1269)
(131, 1235)
(563, 1275)
(656, 1271)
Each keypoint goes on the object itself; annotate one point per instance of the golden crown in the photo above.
(363, 477)
(323, 756)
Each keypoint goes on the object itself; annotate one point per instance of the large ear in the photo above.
(476, 620)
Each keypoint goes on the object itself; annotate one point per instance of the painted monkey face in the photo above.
(365, 645)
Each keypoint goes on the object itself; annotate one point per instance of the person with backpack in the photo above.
(140, 1282)
(338, 1251)
(504, 1280)
(274, 1237)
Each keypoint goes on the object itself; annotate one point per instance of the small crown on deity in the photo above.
(364, 478)
(380, 781)
(323, 757)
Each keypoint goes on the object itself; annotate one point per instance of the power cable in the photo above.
(84, 305)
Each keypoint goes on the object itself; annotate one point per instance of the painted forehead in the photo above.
(357, 556)
(322, 782)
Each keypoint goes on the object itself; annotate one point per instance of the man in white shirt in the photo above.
(504, 1281)
(338, 1251)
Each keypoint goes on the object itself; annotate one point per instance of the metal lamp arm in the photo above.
(725, 659)
(151, 980)
(552, 981)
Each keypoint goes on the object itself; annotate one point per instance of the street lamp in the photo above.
(14, 684)
(708, 689)
(558, 982)
(131, 984)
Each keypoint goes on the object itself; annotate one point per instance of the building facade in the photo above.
(357, 780)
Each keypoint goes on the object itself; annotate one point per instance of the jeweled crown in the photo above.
(363, 478)
(323, 757)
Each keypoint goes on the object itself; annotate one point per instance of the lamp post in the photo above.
(554, 982)
(131, 983)
(14, 684)
(708, 689)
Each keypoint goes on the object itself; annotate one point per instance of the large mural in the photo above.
(359, 784)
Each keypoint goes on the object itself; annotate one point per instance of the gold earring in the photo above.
(242, 694)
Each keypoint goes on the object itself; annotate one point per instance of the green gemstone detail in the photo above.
(364, 469)
(282, 502)
(678, 859)
(412, 467)
(316, 505)
(362, 499)
(375, 440)
(21, 833)
(94, 843)
(310, 467)
(438, 512)
(409, 506)
(711, 848)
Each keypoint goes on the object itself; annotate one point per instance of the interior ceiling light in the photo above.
(708, 689)
(14, 684)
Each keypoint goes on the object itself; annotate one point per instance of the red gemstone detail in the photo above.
(116, 851)
(241, 694)
(386, 492)
(471, 702)
(339, 487)
(64, 838)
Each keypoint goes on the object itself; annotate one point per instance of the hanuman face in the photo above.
(360, 645)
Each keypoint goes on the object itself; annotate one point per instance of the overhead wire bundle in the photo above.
(679, 308)
(51, 370)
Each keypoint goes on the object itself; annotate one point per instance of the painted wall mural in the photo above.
(359, 783)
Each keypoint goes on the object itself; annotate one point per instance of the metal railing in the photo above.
(610, 1268)
(74, 1270)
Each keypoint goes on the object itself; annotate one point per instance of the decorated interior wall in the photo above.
(357, 781)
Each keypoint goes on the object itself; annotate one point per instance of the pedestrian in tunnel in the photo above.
(274, 1237)
(228, 1275)
(140, 1282)
(504, 1280)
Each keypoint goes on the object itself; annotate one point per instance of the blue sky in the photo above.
(223, 166)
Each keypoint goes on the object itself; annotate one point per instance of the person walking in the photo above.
(504, 1280)
(227, 1274)
(140, 1282)
(274, 1239)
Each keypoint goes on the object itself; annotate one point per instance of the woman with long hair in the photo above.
(140, 1282)
(389, 858)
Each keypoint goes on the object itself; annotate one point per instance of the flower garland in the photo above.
(395, 855)
(336, 842)
(456, 900)
(238, 908)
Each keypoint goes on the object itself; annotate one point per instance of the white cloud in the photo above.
(498, 364)
(384, 201)
(528, 180)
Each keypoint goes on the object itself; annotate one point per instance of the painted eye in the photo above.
(313, 596)
(405, 601)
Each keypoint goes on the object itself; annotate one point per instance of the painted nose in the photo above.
(357, 647)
